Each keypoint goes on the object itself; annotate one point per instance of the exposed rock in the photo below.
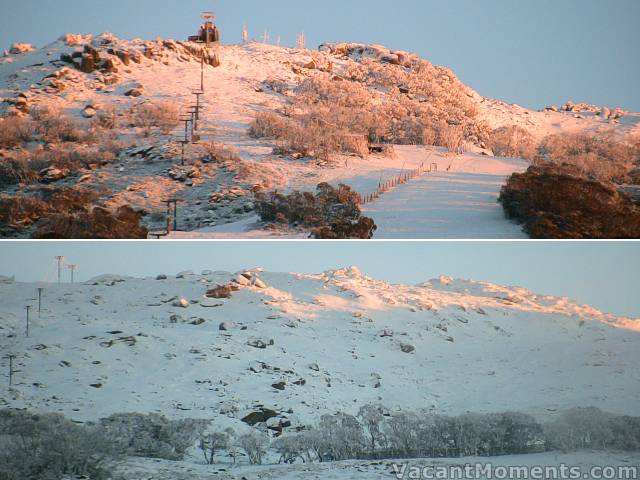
(258, 283)
(176, 319)
(52, 174)
(279, 386)
(242, 280)
(182, 303)
(74, 39)
(223, 291)
(87, 64)
(134, 92)
(260, 344)
(407, 348)
(261, 416)
(311, 65)
(18, 48)
(89, 112)
(124, 57)
(390, 58)
(161, 277)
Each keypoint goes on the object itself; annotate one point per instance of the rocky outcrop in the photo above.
(19, 48)
(222, 291)
(358, 51)
(557, 202)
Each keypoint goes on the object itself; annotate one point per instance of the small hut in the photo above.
(208, 33)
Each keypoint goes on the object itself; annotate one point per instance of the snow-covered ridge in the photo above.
(301, 345)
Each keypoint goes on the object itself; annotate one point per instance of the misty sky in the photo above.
(601, 274)
(532, 52)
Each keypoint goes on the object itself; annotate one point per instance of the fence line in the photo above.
(404, 177)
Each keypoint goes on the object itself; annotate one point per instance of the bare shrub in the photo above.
(55, 126)
(221, 153)
(591, 428)
(96, 223)
(17, 169)
(269, 125)
(152, 435)
(162, 115)
(15, 131)
(106, 118)
(213, 443)
(602, 156)
(22, 211)
(255, 445)
(452, 137)
(49, 446)
(332, 213)
(513, 141)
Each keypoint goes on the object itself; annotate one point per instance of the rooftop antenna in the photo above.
(60, 259)
(208, 23)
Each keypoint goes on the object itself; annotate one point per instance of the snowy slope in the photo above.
(337, 340)
(235, 92)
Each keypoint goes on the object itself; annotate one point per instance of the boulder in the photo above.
(176, 319)
(279, 386)
(407, 348)
(134, 92)
(261, 416)
(89, 112)
(52, 174)
(75, 40)
(182, 303)
(242, 280)
(124, 57)
(161, 277)
(87, 64)
(391, 58)
(225, 326)
(19, 48)
(223, 291)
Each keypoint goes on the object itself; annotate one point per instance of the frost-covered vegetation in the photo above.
(50, 446)
(331, 213)
(50, 140)
(373, 103)
(68, 213)
(558, 201)
(162, 115)
(603, 157)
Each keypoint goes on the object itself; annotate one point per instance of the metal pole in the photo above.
(40, 289)
(27, 308)
(175, 216)
(72, 268)
(11, 357)
(59, 258)
(202, 71)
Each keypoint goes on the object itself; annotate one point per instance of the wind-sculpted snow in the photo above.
(330, 342)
